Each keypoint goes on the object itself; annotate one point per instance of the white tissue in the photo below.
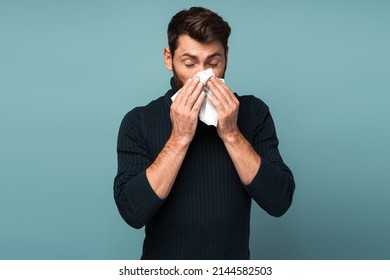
(207, 113)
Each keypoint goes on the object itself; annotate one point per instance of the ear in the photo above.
(168, 58)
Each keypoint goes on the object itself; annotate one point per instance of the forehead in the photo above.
(187, 45)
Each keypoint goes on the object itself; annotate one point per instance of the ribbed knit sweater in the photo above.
(207, 213)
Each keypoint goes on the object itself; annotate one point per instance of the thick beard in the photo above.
(178, 82)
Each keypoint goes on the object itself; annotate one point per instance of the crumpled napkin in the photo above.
(207, 113)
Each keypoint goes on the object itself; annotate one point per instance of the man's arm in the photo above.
(141, 185)
(245, 159)
(184, 112)
(270, 184)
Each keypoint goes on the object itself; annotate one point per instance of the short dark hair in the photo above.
(200, 24)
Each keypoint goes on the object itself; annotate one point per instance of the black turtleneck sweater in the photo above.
(207, 213)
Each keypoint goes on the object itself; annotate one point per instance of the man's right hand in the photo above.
(162, 173)
(185, 110)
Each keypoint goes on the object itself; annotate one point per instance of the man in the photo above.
(188, 183)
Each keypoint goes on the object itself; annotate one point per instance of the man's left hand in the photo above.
(227, 106)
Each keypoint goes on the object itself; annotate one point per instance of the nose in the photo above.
(200, 68)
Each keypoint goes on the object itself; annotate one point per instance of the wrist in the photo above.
(233, 138)
(178, 142)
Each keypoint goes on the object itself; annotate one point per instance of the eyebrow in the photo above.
(192, 56)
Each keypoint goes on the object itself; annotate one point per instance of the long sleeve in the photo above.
(273, 186)
(134, 197)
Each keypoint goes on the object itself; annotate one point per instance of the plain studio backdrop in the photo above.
(70, 70)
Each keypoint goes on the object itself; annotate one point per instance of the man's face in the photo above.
(191, 57)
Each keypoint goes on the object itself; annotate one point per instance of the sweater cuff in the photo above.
(262, 184)
(142, 199)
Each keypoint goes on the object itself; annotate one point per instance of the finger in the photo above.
(192, 99)
(180, 92)
(223, 89)
(216, 102)
(219, 96)
(187, 90)
(198, 103)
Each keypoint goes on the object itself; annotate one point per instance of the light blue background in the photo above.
(70, 70)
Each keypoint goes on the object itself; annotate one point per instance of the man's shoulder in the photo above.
(251, 104)
(151, 110)
(252, 113)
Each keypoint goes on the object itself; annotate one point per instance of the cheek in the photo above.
(184, 73)
(219, 72)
